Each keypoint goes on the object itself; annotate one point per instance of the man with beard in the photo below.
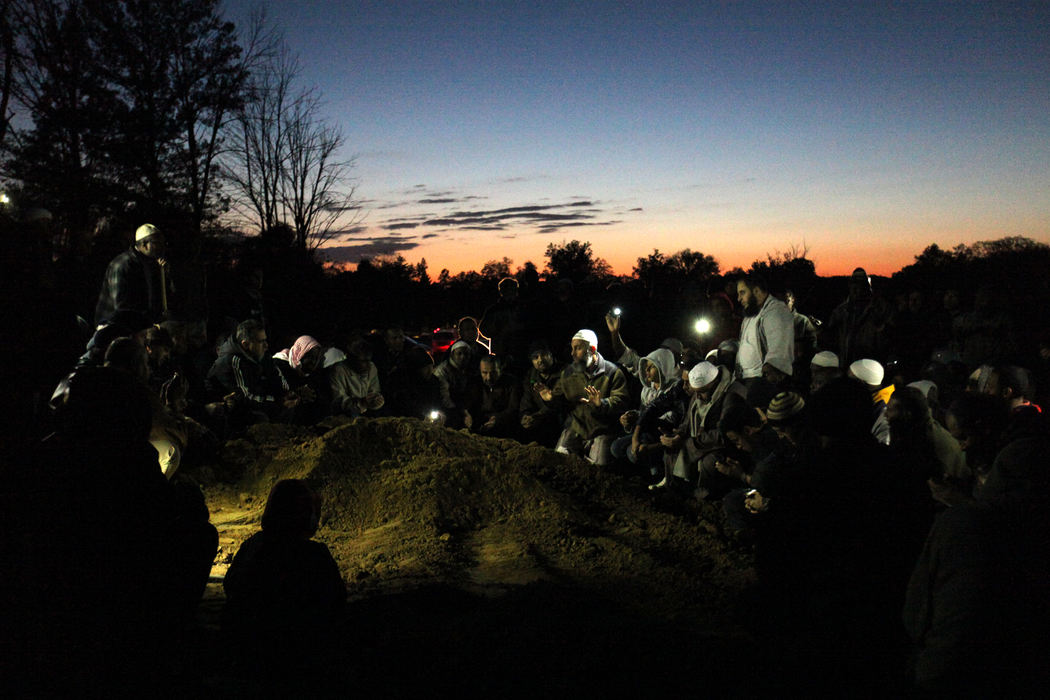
(494, 410)
(135, 279)
(594, 393)
(539, 421)
(767, 334)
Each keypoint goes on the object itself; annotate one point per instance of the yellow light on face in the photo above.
(702, 326)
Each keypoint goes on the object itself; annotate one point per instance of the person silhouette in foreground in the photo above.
(281, 580)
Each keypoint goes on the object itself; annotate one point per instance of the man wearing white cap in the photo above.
(767, 334)
(871, 373)
(822, 369)
(134, 279)
(713, 392)
(594, 393)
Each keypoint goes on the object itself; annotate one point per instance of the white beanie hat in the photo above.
(825, 358)
(590, 336)
(144, 231)
(702, 374)
(868, 371)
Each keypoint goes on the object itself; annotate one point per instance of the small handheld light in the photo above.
(702, 326)
(617, 311)
(434, 415)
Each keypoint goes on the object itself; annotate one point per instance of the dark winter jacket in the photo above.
(258, 382)
(586, 420)
(132, 281)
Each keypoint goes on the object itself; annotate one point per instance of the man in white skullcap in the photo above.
(713, 391)
(871, 373)
(134, 279)
(822, 369)
(593, 391)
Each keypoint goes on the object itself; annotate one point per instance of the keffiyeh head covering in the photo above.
(302, 345)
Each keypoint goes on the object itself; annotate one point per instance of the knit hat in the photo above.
(825, 358)
(302, 345)
(145, 231)
(784, 406)
(868, 371)
(590, 336)
(702, 374)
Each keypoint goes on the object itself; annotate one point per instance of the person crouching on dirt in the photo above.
(494, 408)
(540, 422)
(244, 383)
(458, 384)
(280, 579)
(302, 368)
(354, 383)
(661, 407)
(594, 393)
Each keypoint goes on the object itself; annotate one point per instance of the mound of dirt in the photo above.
(408, 504)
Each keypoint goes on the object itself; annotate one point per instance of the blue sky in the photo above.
(865, 130)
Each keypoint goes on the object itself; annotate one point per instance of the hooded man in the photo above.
(594, 393)
(661, 408)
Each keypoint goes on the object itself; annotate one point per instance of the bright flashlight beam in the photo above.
(702, 326)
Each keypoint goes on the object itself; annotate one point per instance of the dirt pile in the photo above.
(410, 504)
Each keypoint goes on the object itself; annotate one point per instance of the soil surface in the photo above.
(485, 564)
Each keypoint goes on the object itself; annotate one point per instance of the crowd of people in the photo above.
(888, 470)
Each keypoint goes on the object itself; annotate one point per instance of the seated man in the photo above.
(245, 380)
(660, 409)
(301, 365)
(696, 443)
(539, 421)
(494, 408)
(354, 383)
(594, 393)
(457, 384)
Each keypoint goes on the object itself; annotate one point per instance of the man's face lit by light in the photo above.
(257, 346)
(581, 351)
(489, 372)
(542, 361)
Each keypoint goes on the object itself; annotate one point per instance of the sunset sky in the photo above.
(863, 131)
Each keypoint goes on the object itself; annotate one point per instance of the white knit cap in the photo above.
(144, 231)
(825, 358)
(590, 336)
(702, 374)
(925, 386)
(868, 371)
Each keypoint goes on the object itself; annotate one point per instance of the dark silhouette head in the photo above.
(293, 509)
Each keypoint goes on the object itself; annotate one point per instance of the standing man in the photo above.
(594, 394)
(135, 279)
(767, 334)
